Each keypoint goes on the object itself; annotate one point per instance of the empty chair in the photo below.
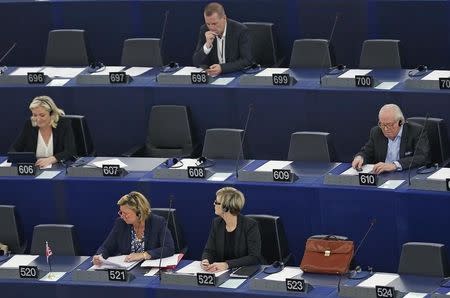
(422, 258)
(311, 53)
(311, 146)
(142, 52)
(66, 48)
(264, 44)
(83, 140)
(169, 133)
(60, 238)
(11, 232)
(274, 246)
(223, 143)
(174, 227)
(437, 136)
(380, 53)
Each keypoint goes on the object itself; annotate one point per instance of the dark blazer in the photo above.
(63, 140)
(247, 243)
(118, 241)
(375, 149)
(238, 50)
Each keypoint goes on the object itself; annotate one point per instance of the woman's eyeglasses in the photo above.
(217, 203)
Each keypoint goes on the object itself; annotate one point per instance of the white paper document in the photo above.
(379, 279)
(415, 295)
(436, 74)
(23, 71)
(194, 268)
(222, 81)
(287, 272)
(63, 72)
(117, 262)
(112, 161)
(386, 85)
(5, 164)
(391, 184)
(186, 71)
(57, 82)
(137, 71)
(219, 176)
(232, 283)
(152, 272)
(268, 72)
(352, 172)
(351, 73)
(440, 174)
(184, 163)
(107, 70)
(19, 260)
(52, 276)
(165, 262)
(48, 174)
(273, 164)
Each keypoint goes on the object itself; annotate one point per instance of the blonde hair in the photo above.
(136, 202)
(49, 105)
(231, 199)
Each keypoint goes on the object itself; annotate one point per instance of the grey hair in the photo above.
(398, 112)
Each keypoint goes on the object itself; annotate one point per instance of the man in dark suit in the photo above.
(392, 143)
(223, 45)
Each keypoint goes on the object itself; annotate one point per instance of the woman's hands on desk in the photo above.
(137, 256)
(97, 260)
(45, 162)
(214, 267)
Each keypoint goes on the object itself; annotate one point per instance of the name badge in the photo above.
(196, 172)
(28, 272)
(117, 275)
(385, 292)
(206, 279)
(281, 79)
(36, 78)
(111, 170)
(199, 78)
(119, 77)
(281, 175)
(363, 81)
(444, 83)
(295, 285)
(368, 179)
(26, 169)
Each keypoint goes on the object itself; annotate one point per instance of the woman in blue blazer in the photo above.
(137, 233)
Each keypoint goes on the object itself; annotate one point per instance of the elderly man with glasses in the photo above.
(392, 143)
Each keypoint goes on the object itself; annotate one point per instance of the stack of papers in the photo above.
(117, 262)
(350, 74)
(268, 72)
(273, 165)
(169, 262)
(287, 272)
(194, 268)
(352, 172)
(113, 161)
(379, 279)
(441, 174)
(19, 260)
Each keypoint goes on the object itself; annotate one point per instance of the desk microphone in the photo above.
(329, 43)
(6, 54)
(372, 223)
(165, 233)
(240, 151)
(417, 146)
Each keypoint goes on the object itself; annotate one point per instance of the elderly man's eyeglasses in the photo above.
(387, 125)
(217, 203)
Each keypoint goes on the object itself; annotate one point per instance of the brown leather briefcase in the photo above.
(327, 255)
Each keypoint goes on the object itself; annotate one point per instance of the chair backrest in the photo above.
(169, 132)
(61, 239)
(264, 44)
(420, 258)
(380, 53)
(11, 232)
(142, 52)
(83, 139)
(436, 129)
(223, 143)
(274, 245)
(66, 48)
(174, 227)
(311, 146)
(310, 53)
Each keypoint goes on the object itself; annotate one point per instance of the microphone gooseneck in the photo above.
(164, 237)
(238, 157)
(329, 42)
